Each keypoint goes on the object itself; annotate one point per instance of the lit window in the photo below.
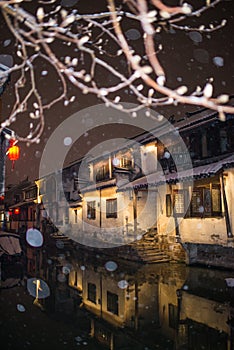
(206, 201)
(125, 162)
(102, 172)
(111, 208)
(180, 199)
(91, 210)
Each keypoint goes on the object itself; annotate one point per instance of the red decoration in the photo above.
(13, 153)
(16, 211)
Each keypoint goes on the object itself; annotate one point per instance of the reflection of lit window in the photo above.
(111, 208)
(91, 210)
(173, 315)
(92, 292)
(73, 279)
(112, 303)
(103, 335)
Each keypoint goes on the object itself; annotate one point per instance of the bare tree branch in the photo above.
(91, 43)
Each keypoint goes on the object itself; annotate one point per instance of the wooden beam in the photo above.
(226, 211)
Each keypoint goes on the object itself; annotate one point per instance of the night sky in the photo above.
(188, 59)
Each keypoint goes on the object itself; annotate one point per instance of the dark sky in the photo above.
(188, 58)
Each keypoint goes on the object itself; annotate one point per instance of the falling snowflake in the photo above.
(111, 266)
(218, 61)
(67, 141)
(20, 308)
(123, 284)
(195, 37)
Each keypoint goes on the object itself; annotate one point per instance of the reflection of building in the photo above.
(205, 311)
(125, 302)
(135, 306)
(187, 306)
(118, 301)
(178, 191)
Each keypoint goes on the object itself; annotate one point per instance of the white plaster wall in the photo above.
(146, 209)
(165, 224)
(110, 225)
(207, 312)
(151, 211)
(102, 286)
(206, 230)
(229, 188)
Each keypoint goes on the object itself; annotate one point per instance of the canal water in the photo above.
(67, 297)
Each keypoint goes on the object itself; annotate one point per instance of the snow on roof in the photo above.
(158, 178)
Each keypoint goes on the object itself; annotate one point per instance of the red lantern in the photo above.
(13, 152)
(16, 211)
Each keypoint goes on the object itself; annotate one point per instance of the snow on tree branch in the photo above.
(80, 48)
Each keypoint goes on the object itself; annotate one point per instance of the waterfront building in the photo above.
(166, 191)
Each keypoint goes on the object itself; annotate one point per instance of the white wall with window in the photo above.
(204, 221)
(104, 210)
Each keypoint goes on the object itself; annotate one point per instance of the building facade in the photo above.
(177, 186)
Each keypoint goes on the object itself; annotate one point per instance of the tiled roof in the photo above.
(193, 173)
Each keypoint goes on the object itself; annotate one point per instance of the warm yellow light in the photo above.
(150, 148)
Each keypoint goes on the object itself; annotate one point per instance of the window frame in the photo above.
(92, 292)
(206, 195)
(91, 210)
(102, 172)
(112, 303)
(111, 208)
(169, 206)
(181, 193)
(125, 162)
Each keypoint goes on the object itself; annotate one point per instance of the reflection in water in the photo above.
(97, 302)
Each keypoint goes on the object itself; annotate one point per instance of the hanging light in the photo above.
(13, 152)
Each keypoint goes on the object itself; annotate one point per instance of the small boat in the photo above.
(10, 243)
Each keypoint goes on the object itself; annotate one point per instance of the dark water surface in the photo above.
(62, 297)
